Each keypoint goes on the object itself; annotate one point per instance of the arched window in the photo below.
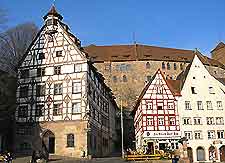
(181, 66)
(168, 66)
(200, 154)
(114, 79)
(124, 78)
(174, 66)
(70, 140)
(163, 65)
(147, 66)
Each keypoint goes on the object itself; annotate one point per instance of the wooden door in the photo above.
(51, 145)
(222, 154)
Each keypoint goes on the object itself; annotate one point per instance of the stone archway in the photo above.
(190, 154)
(212, 153)
(222, 153)
(200, 154)
(49, 140)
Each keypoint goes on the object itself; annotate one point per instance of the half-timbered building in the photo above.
(63, 102)
(201, 110)
(156, 118)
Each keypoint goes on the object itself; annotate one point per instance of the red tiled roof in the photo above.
(144, 52)
(219, 46)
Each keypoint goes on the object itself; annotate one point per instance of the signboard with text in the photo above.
(162, 134)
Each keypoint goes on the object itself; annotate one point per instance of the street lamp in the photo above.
(121, 119)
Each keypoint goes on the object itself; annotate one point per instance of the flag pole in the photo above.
(121, 116)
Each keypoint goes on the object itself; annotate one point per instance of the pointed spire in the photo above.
(53, 12)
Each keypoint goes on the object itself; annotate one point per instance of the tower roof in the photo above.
(53, 12)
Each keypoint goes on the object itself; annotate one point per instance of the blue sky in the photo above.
(184, 24)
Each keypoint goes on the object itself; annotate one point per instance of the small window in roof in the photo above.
(174, 66)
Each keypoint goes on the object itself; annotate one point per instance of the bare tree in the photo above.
(14, 43)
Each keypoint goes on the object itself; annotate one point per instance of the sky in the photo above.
(184, 24)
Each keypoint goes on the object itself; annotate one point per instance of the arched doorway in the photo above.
(212, 153)
(222, 153)
(190, 154)
(49, 141)
(200, 154)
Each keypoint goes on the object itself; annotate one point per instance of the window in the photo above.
(219, 121)
(57, 70)
(50, 38)
(159, 89)
(123, 67)
(161, 121)
(77, 67)
(76, 108)
(220, 134)
(51, 22)
(40, 90)
(170, 106)
(58, 89)
(211, 90)
(25, 146)
(147, 66)
(186, 121)
(193, 90)
(219, 105)
(159, 107)
(197, 121)
(209, 105)
(148, 78)
(124, 78)
(23, 111)
(188, 134)
(70, 140)
(150, 122)
(41, 56)
(198, 134)
(168, 66)
(24, 130)
(187, 105)
(76, 87)
(163, 65)
(24, 91)
(40, 72)
(149, 106)
(24, 73)
(174, 66)
(57, 109)
(181, 66)
(210, 120)
(39, 110)
(211, 134)
(172, 121)
(114, 79)
(59, 53)
(199, 104)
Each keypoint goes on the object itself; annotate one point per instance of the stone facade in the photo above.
(219, 52)
(137, 74)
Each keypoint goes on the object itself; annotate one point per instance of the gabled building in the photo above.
(201, 111)
(156, 118)
(63, 102)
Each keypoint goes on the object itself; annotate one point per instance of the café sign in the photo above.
(161, 134)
